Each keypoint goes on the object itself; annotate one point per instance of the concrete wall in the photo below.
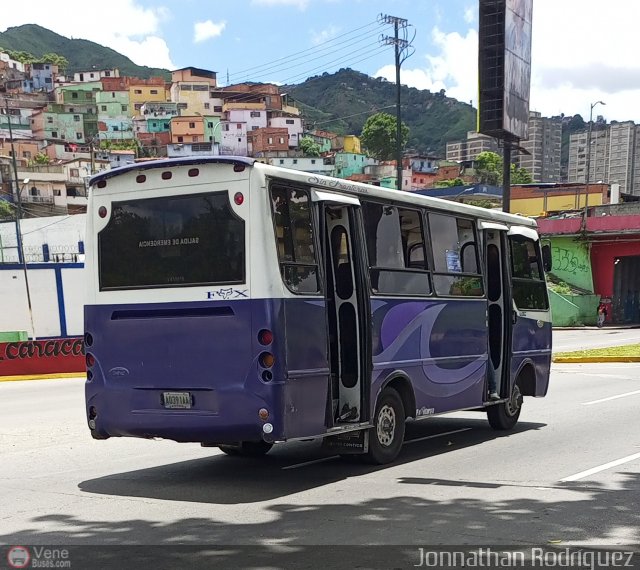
(57, 299)
(572, 262)
(573, 310)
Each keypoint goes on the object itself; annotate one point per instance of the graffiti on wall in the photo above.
(566, 260)
(571, 262)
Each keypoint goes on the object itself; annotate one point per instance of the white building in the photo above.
(293, 126)
(313, 165)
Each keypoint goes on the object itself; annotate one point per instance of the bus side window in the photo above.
(396, 250)
(455, 254)
(294, 239)
(529, 287)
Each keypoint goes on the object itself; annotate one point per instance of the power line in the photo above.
(315, 49)
(271, 70)
(354, 115)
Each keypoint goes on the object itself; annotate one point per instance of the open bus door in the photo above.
(500, 313)
(348, 313)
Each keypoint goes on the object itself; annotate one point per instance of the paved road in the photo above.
(456, 482)
(593, 338)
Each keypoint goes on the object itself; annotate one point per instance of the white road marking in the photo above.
(611, 398)
(322, 459)
(601, 375)
(436, 435)
(609, 465)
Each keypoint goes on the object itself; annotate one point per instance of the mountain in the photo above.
(342, 102)
(83, 55)
(339, 102)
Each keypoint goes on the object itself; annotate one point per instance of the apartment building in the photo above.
(543, 147)
(614, 156)
(469, 149)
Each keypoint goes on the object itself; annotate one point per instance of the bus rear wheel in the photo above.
(387, 434)
(504, 416)
(247, 449)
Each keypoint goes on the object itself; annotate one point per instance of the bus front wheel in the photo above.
(248, 449)
(387, 434)
(504, 416)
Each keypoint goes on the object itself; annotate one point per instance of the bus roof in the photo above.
(327, 183)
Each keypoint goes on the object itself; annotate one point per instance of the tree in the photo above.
(41, 158)
(309, 147)
(379, 136)
(55, 59)
(520, 175)
(449, 183)
(489, 166)
(6, 209)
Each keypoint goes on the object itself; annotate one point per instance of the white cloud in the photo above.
(206, 30)
(300, 4)
(470, 14)
(581, 52)
(126, 27)
(451, 68)
(324, 35)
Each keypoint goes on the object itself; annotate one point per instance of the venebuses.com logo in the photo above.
(38, 557)
(18, 557)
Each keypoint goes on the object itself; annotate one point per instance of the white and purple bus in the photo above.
(239, 305)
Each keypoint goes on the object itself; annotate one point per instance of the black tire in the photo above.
(387, 434)
(504, 416)
(248, 449)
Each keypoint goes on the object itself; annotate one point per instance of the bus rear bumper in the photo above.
(236, 419)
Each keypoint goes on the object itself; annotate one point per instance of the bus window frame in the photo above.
(420, 210)
(315, 229)
(479, 259)
(98, 249)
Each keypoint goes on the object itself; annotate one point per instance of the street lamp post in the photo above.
(588, 174)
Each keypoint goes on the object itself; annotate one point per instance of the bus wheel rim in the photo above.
(512, 405)
(386, 425)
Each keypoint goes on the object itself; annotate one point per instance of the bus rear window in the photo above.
(172, 241)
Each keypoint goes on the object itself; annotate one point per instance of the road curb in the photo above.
(592, 359)
(57, 376)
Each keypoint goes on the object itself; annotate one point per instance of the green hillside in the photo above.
(339, 102)
(343, 101)
(82, 55)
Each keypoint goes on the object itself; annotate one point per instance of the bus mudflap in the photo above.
(351, 442)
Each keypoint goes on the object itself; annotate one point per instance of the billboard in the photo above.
(504, 65)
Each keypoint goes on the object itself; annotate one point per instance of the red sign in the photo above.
(63, 355)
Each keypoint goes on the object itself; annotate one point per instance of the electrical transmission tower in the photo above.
(403, 50)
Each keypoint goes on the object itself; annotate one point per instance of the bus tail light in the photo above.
(238, 198)
(90, 359)
(265, 337)
(263, 414)
(102, 212)
(267, 360)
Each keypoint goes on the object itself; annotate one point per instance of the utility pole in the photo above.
(506, 177)
(588, 173)
(403, 50)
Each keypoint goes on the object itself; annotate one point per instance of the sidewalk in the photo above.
(595, 328)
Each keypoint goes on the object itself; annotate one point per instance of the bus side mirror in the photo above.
(546, 258)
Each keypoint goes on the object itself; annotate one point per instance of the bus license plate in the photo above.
(176, 400)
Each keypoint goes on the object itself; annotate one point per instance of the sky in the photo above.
(584, 51)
